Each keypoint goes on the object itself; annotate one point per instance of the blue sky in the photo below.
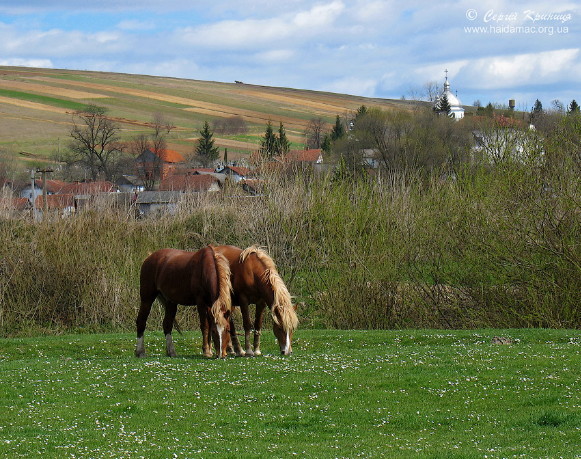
(494, 50)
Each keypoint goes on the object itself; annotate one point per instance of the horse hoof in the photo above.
(241, 354)
(139, 355)
(257, 352)
(249, 354)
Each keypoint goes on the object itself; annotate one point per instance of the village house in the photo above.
(198, 183)
(155, 203)
(151, 166)
(237, 173)
(130, 184)
(31, 193)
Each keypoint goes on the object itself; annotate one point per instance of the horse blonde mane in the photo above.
(224, 301)
(282, 298)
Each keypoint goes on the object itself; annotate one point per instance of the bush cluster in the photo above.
(489, 246)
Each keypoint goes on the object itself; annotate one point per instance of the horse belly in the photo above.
(174, 280)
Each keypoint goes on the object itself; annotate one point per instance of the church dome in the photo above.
(453, 101)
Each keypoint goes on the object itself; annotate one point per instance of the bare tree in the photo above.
(314, 133)
(95, 143)
(431, 91)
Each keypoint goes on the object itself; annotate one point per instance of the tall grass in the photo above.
(489, 248)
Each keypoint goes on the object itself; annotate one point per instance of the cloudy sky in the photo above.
(494, 50)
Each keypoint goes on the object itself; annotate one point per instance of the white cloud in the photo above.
(21, 62)
(135, 25)
(523, 69)
(276, 55)
(250, 33)
(353, 85)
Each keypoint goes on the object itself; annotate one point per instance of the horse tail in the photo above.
(223, 302)
(282, 310)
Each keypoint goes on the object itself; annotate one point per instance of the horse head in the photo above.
(220, 330)
(284, 323)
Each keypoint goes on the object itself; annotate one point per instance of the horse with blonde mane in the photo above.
(255, 280)
(199, 278)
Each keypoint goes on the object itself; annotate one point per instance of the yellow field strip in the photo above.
(46, 89)
(193, 105)
(32, 105)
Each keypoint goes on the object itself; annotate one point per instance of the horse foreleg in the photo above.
(258, 326)
(168, 321)
(234, 342)
(205, 329)
(141, 322)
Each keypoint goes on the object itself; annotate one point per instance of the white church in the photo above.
(456, 110)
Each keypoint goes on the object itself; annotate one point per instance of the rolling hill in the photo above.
(36, 107)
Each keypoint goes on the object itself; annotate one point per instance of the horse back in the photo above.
(179, 276)
(247, 276)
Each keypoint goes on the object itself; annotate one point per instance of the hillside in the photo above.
(36, 107)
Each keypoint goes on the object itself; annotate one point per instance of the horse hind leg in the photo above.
(247, 329)
(205, 329)
(168, 321)
(141, 322)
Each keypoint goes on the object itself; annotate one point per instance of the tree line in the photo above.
(391, 140)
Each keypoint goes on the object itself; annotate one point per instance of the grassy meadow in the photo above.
(341, 394)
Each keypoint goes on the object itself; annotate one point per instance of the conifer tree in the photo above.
(573, 107)
(283, 144)
(444, 106)
(538, 107)
(338, 130)
(269, 143)
(205, 149)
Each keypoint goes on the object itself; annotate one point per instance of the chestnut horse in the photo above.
(255, 279)
(199, 278)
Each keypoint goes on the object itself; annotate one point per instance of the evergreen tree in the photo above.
(443, 106)
(537, 111)
(359, 114)
(269, 143)
(326, 144)
(573, 107)
(283, 144)
(538, 107)
(205, 149)
(338, 130)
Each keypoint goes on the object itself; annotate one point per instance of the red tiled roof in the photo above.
(52, 186)
(55, 201)
(304, 155)
(15, 203)
(171, 156)
(188, 183)
(243, 171)
(87, 188)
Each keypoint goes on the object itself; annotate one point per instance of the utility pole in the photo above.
(32, 196)
(43, 173)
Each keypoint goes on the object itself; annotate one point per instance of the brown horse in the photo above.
(255, 279)
(199, 278)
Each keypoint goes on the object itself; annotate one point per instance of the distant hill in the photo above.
(36, 107)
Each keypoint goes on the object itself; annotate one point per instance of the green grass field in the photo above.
(341, 394)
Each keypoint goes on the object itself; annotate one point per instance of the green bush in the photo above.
(490, 247)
